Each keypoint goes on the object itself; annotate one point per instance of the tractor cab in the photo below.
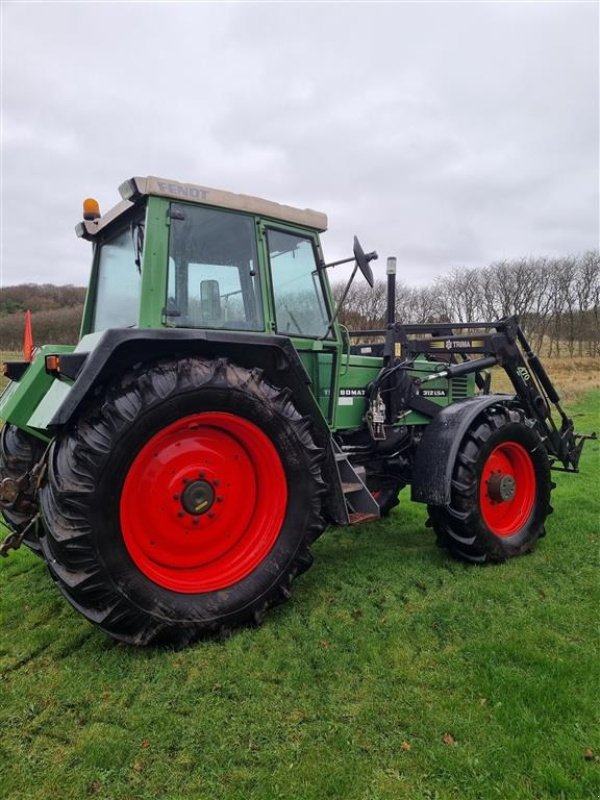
(180, 256)
(183, 256)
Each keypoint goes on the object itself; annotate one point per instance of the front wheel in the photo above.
(500, 495)
(182, 503)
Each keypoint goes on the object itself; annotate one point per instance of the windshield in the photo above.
(118, 278)
(213, 279)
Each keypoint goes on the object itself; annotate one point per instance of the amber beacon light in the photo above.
(91, 209)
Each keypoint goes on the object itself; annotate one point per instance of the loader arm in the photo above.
(502, 343)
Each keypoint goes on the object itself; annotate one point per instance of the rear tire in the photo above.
(182, 503)
(500, 495)
(19, 452)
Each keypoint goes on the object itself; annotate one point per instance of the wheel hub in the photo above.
(198, 497)
(501, 488)
(203, 502)
(508, 488)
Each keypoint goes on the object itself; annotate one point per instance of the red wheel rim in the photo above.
(507, 489)
(203, 502)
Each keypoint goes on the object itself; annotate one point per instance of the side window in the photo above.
(300, 308)
(118, 283)
(213, 277)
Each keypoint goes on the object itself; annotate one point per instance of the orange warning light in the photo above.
(91, 209)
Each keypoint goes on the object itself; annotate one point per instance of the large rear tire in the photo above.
(500, 495)
(182, 503)
(19, 452)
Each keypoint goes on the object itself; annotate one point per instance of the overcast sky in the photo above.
(447, 134)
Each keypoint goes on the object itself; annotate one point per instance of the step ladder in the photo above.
(361, 506)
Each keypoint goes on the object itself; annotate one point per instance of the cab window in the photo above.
(118, 278)
(213, 273)
(300, 305)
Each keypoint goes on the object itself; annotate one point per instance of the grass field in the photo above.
(393, 673)
(572, 376)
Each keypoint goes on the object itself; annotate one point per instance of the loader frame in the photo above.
(501, 343)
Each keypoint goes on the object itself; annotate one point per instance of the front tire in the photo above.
(182, 503)
(500, 495)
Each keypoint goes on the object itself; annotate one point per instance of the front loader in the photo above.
(174, 467)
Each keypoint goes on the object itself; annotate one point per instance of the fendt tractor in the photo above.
(175, 466)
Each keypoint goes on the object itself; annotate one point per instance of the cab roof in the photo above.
(136, 188)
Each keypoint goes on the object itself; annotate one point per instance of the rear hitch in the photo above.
(14, 540)
(11, 490)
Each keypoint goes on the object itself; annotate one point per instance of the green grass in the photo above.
(348, 691)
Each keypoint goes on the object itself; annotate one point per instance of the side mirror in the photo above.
(362, 259)
(210, 300)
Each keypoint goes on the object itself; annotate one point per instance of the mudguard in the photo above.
(437, 450)
(118, 349)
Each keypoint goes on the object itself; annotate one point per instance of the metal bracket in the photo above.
(10, 489)
(375, 418)
(14, 540)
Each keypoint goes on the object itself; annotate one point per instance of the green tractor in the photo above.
(175, 466)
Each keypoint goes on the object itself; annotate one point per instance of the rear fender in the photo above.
(437, 450)
(117, 350)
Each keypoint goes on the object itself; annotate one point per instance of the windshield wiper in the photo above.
(137, 235)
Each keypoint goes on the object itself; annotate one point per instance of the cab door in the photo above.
(301, 306)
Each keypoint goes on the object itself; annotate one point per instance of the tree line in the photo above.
(55, 311)
(557, 301)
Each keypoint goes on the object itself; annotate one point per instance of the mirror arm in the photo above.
(337, 263)
(339, 305)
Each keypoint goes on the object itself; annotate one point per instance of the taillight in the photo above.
(53, 364)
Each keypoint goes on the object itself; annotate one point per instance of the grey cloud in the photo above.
(447, 134)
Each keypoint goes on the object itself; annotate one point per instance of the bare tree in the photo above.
(556, 299)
